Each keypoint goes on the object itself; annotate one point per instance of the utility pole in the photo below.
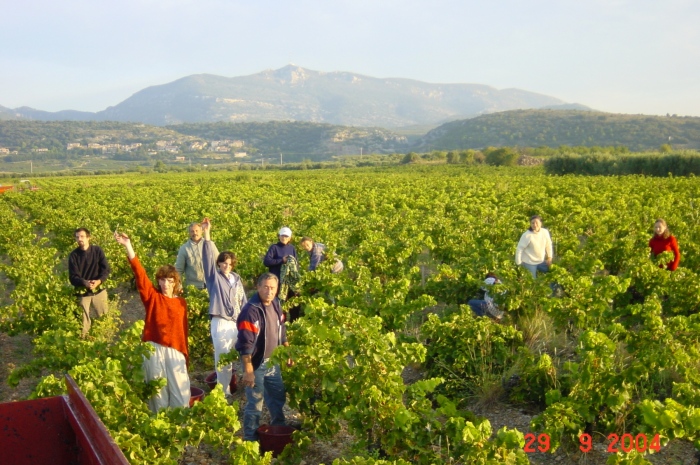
(360, 153)
(280, 158)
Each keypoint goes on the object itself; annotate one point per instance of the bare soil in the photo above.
(16, 351)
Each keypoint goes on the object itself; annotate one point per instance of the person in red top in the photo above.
(663, 241)
(165, 329)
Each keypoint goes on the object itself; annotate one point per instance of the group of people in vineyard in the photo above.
(534, 252)
(254, 327)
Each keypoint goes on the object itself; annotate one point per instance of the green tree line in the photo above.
(553, 128)
(649, 164)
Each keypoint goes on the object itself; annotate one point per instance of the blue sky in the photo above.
(617, 55)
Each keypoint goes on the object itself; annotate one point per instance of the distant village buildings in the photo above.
(229, 144)
(169, 146)
(106, 148)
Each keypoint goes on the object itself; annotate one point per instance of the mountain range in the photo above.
(293, 93)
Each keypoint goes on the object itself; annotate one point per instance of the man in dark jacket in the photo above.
(88, 270)
(260, 330)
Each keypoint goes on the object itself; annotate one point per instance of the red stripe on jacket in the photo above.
(247, 326)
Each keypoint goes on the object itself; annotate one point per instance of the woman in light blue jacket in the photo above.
(226, 299)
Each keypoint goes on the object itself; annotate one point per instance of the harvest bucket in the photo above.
(274, 438)
(211, 382)
(196, 395)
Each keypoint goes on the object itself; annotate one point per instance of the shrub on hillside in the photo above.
(411, 157)
(504, 156)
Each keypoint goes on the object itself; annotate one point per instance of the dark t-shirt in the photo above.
(272, 325)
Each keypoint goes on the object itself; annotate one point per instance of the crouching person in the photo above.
(261, 328)
(165, 329)
(486, 306)
(317, 254)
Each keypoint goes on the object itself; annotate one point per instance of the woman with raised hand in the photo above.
(534, 251)
(226, 299)
(165, 329)
(663, 241)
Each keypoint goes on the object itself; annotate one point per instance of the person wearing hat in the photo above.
(277, 253)
(276, 257)
(486, 306)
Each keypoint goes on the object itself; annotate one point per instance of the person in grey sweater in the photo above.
(189, 258)
(226, 299)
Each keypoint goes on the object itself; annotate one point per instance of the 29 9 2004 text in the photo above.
(616, 443)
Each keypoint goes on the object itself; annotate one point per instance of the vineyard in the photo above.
(614, 350)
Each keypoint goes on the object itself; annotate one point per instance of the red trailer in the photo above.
(56, 430)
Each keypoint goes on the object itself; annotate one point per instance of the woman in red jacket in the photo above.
(165, 329)
(663, 241)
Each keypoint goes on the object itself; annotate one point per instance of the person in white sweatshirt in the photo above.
(534, 251)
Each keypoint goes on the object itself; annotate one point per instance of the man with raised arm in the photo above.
(189, 258)
(87, 271)
(261, 328)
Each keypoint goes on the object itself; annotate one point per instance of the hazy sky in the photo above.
(623, 56)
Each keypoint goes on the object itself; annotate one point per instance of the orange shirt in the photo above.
(166, 317)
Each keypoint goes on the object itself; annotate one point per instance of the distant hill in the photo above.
(25, 140)
(7, 114)
(299, 140)
(534, 128)
(293, 93)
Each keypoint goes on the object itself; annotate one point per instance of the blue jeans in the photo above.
(533, 269)
(478, 306)
(268, 386)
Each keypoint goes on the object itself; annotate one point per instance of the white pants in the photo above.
(223, 335)
(170, 364)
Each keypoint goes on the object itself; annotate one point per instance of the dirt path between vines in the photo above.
(15, 351)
